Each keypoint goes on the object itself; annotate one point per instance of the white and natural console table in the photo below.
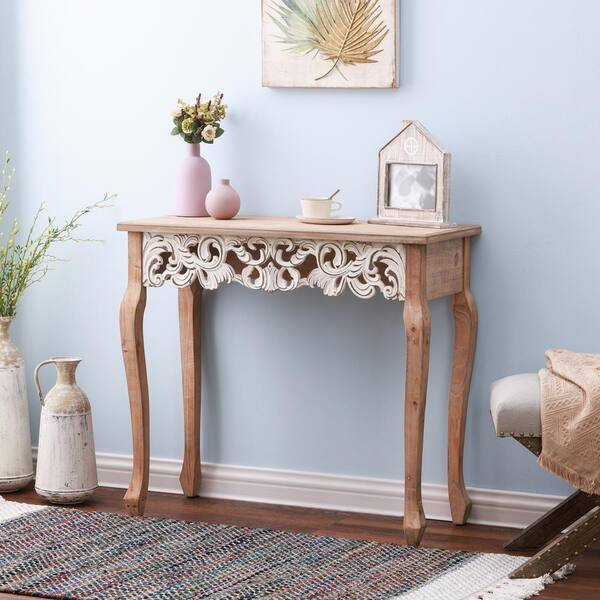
(409, 264)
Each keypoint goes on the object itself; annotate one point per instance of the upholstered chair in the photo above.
(566, 530)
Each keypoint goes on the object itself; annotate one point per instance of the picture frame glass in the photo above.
(411, 186)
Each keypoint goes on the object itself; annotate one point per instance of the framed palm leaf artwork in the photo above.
(329, 43)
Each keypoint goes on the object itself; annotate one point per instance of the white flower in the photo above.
(177, 111)
(209, 133)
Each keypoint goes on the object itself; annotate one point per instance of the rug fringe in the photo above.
(11, 510)
(522, 589)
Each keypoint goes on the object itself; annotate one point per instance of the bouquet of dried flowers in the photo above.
(199, 122)
(23, 263)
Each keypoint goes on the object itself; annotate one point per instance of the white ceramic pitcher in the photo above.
(66, 462)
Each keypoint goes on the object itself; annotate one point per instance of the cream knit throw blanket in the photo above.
(570, 396)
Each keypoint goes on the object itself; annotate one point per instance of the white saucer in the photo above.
(327, 221)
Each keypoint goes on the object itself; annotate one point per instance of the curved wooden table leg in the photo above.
(418, 327)
(132, 343)
(465, 334)
(190, 299)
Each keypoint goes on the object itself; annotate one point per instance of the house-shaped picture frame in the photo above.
(414, 173)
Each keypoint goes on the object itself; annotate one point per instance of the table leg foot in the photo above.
(414, 527)
(135, 504)
(460, 505)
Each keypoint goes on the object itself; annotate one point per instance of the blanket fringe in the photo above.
(580, 482)
(522, 589)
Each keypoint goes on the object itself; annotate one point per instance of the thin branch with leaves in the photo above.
(22, 264)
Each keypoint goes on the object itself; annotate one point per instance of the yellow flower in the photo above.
(220, 112)
(209, 133)
(187, 125)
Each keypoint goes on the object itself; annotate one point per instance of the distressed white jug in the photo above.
(16, 464)
(66, 461)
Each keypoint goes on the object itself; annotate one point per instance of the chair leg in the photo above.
(563, 549)
(533, 444)
(554, 521)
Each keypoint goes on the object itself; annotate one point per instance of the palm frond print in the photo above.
(345, 32)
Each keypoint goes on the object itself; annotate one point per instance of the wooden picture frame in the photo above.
(414, 172)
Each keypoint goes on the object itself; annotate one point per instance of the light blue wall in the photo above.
(8, 83)
(302, 381)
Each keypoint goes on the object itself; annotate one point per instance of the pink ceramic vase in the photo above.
(192, 185)
(223, 202)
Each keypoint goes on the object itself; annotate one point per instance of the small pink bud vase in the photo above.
(223, 202)
(192, 184)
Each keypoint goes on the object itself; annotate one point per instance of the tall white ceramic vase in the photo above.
(16, 463)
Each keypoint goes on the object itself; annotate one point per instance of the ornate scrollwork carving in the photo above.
(275, 264)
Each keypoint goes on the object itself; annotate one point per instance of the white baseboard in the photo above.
(332, 492)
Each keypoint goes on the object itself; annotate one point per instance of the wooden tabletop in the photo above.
(287, 227)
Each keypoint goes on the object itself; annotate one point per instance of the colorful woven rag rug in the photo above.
(65, 553)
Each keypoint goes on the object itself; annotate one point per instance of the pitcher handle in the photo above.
(36, 378)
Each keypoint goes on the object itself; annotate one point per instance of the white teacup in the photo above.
(319, 208)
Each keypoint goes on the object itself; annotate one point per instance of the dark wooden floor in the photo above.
(584, 584)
